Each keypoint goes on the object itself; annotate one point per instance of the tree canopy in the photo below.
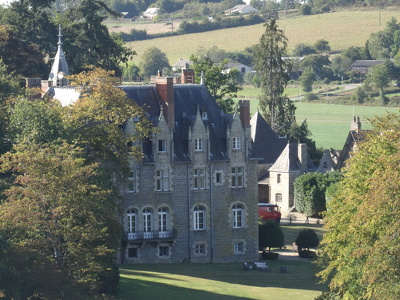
(361, 248)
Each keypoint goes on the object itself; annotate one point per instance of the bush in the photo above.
(305, 9)
(306, 239)
(270, 255)
(310, 97)
(270, 235)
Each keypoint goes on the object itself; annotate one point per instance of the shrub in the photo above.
(310, 97)
(270, 235)
(306, 239)
(305, 9)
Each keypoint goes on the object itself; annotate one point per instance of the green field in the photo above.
(223, 281)
(342, 29)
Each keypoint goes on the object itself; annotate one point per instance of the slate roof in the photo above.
(188, 99)
(266, 143)
(289, 161)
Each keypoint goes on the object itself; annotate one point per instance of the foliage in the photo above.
(153, 60)
(35, 120)
(302, 49)
(307, 239)
(88, 41)
(320, 64)
(307, 79)
(309, 191)
(220, 81)
(270, 235)
(19, 56)
(59, 243)
(384, 44)
(96, 119)
(273, 71)
(322, 46)
(305, 9)
(362, 245)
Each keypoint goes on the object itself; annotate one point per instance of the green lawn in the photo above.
(224, 281)
(328, 123)
(218, 281)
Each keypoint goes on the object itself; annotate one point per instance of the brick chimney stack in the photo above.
(244, 110)
(187, 76)
(165, 91)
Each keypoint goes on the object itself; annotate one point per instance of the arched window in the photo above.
(163, 222)
(238, 215)
(132, 223)
(147, 223)
(199, 218)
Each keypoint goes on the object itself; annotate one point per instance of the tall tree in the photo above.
(88, 41)
(153, 60)
(361, 248)
(220, 81)
(60, 224)
(273, 70)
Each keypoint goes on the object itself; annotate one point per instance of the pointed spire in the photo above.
(60, 67)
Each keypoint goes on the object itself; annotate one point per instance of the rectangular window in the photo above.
(162, 146)
(278, 178)
(278, 197)
(199, 178)
(199, 218)
(237, 216)
(162, 180)
(133, 252)
(236, 143)
(198, 145)
(132, 181)
(237, 177)
(163, 251)
(239, 247)
(200, 249)
(218, 177)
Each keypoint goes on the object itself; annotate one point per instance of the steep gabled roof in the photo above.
(188, 99)
(290, 160)
(266, 143)
(60, 67)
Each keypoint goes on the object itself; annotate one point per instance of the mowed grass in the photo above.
(218, 281)
(224, 281)
(342, 29)
(329, 123)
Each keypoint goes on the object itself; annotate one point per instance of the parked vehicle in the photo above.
(269, 211)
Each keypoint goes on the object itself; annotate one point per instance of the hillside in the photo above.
(342, 29)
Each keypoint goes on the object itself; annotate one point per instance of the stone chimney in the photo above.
(187, 76)
(302, 155)
(244, 110)
(356, 124)
(165, 92)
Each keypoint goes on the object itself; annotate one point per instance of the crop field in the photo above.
(342, 29)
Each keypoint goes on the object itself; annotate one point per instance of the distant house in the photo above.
(241, 9)
(150, 13)
(238, 66)
(181, 64)
(364, 66)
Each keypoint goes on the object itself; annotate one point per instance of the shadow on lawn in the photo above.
(132, 288)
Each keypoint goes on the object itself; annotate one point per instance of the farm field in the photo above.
(328, 123)
(342, 29)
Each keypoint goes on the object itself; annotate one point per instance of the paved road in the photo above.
(341, 88)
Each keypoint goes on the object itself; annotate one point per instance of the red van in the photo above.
(268, 211)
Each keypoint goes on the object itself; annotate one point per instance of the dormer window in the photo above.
(198, 145)
(236, 143)
(162, 145)
(204, 115)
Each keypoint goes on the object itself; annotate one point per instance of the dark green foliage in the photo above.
(153, 60)
(307, 239)
(302, 49)
(307, 79)
(309, 191)
(270, 235)
(305, 9)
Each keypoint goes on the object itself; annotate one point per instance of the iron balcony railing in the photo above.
(151, 235)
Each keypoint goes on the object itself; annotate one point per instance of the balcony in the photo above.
(154, 235)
